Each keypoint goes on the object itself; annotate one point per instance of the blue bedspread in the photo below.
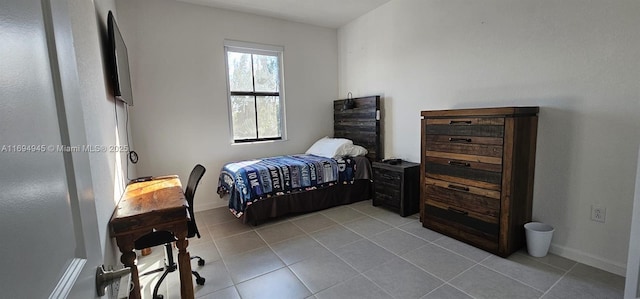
(248, 181)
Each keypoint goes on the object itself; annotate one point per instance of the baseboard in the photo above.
(588, 259)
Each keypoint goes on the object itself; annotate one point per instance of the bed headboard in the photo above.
(360, 124)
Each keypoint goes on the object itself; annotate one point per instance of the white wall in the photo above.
(577, 60)
(108, 169)
(180, 117)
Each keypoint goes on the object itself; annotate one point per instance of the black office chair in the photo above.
(164, 237)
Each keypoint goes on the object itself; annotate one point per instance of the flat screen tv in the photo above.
(121, 79)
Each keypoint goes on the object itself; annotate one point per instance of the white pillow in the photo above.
(354, 151)
(329, 147)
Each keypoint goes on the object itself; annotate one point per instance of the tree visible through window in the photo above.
(255, 93)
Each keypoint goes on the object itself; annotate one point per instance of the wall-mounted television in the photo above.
(121, 80)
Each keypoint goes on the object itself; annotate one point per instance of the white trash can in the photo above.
(538, 237)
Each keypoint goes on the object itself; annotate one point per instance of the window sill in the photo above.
(258, 142)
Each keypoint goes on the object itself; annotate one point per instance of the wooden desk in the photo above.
(157, 204)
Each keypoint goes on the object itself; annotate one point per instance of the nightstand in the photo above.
(397, 187)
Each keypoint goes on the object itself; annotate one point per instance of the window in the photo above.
(256, 98)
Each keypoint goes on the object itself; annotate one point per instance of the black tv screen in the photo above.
(119, 63)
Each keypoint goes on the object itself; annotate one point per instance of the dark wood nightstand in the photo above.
(397, 187)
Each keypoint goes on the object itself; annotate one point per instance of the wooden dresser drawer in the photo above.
(477, 127)
(484, 207)
(387, 177)
(463, 221)
(490, 173)
(465, 139)
(466, 148)
(382, 185)
(467, 136)
(465, 211)
(392, 190)
(476, 233)
(387, 198)
(463, 184)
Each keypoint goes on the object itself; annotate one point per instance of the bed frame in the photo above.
(360, 123)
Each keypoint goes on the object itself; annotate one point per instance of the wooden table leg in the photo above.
(184, 265)
(128, 258)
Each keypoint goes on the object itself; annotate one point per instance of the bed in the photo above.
(266, 188)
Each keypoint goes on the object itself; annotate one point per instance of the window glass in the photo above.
(265, 70)
(243, 112)
(240, 78)
(268, 117)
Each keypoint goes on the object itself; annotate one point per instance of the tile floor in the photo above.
(361, 251)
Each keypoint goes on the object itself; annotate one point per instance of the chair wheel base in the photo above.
(200, 281)
(201, 262)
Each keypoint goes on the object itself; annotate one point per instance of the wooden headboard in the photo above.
(360, 124)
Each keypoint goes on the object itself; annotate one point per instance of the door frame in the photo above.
(78, 281)
(632, 283)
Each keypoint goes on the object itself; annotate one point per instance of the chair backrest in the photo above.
(189, 192)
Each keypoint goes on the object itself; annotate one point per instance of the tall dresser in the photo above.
(476, 175)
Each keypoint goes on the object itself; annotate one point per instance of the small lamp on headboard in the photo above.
(349, 103)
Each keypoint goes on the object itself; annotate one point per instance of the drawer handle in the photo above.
(461, 212)
(459, 139)
(466, 189)
(460, 122)
(459, 164)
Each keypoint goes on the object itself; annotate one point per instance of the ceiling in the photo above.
(325, 13)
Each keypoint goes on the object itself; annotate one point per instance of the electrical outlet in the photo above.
(120, 287)
(598, 213)
(114, 288)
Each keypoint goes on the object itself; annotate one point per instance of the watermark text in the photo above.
(59, 148)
